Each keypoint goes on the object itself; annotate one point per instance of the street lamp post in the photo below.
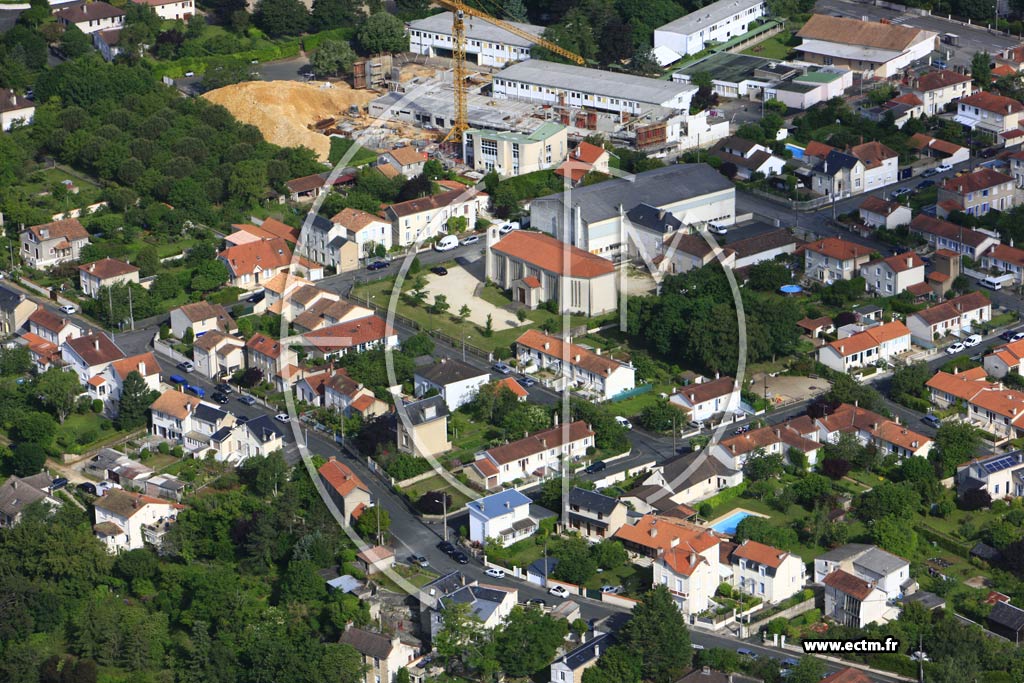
(464, 338)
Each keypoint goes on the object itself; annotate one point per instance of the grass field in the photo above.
(775, 47)
(380, 292)
(437, 483)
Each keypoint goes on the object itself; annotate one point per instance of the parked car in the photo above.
(447, 243)
(69, 309)
(87, 487)
(419, 561)
(696, 646)
(596, 466)
(717, 229)
(930, 172)
(899, 192)
(377, 265)
(624, 422)
(537, 602)
(472, 239)
(614, 590)
(224, 388)
(1017, 336)
(446, 547)
(955, 347)
(495, 573)
(58, 483)
(247, 400)
(559, 591)
(1007, 335)
(932, 421)
(241, 419)
(104, 486)
(507, 228)
(526, 382)
(943, 167)
(177, 379)
(198, 391)
(283, 417)
(219, 397)
(185, 366)
(439, 270)
(973, 340)
(924, 185)
(746, 652)
(460, 557)
(502, 367)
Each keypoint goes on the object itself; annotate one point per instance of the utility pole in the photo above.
(378, 522)
(131, 313)
(444, 515)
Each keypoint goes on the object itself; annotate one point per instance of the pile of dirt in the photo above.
(411, 71)
(282, 110)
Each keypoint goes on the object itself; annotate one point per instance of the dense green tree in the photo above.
(657, 634)
(281, 17)
(526, 643)
(374, 524)
(761, 465)
(26, 459)
(660, 416)
(895, 535)
(981, 69)
(619, 664)
(58, 390)
(329, 14)
(133, 406)
(576, 563)
(332, 58)
(955, 443)
(763, 531)
(381, 32)
(74, 43)
(768, 276)
(909, 380)
(888, 499)
(224, 71)
(15, 361)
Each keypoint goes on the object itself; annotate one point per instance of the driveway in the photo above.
(459, 286)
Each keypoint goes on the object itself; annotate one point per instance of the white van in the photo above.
(446, 243)
(991, 282)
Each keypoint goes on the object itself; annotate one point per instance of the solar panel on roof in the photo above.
(999, 465)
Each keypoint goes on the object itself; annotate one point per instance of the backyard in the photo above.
(437, 483)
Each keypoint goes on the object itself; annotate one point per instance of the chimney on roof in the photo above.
(653, 531)
(96, 343)
(693, 557)
(547, 345)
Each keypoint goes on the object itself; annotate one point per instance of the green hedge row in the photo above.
(311, 42)
(179, 67)
(944, 541)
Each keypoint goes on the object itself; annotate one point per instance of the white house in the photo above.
(236, 443)
(748, 157)
(49, 244)
(833, 258)
(937, 89)
(427, 217)
(852, 601)
(17, 493)
(689, 569)
(457, 382)
(382, 655)
(717, 22)
(90, 355)
(503, 517)
(488, 44)
(91, 17)
(798, 434)
(107, 385)
(573, 365)
(367, 230)
(890, 573)
(1002, 475)
(569, 667)
(537, 455)
(105, 273)
(708, 398)
(201, 317)
(881, 213)
(894, 274)
(766, 572)
(215, 354)
(989, 112)
(942, 234)
(129, 521)
(171, 10)
(955, 317)
(14, 109)
(53, 328)
(1007, 259)
(253, 263)
(1005, 359)
(490, 603)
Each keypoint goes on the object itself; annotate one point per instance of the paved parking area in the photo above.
(789, 389)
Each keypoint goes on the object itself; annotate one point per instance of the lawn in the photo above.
(520, 554)
(82, 431)
(380, 293)
(417, 576)
(44, 180)
(437, 483)
(775, 47)
(469, 437)
(634, 405)
(339, 146)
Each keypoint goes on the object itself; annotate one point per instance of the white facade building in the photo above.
(486, 44)
(504, 517)
(715, 23)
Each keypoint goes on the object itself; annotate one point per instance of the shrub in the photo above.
(97, 406)
(164, 448)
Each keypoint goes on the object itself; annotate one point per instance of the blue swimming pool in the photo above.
(729, 524)
(797, 150)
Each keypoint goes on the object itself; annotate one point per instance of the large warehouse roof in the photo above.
(708, 16)
(476, 29)
(594, 81)
(658, 187)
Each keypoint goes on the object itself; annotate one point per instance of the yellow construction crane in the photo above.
(459, 13)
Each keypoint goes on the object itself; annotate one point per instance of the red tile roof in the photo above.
(355, 220)
(95, 349)
(847, 675)
(981, 179)
(838, 248)
(264, 345)
(902, 262)
(953, 308)
(267, 255)
(849, 584)
(580, 161)
(513, 386)
(48, 321)
(933, 80)
(553, 437)
(992, 102)
(341, 477)
(706, 391)
(552, 255)
(108, 268)
(407, 156)
(434, 202)
(144, 363)
(573, 354)
(882, 207)
(177, 404)
(873, 154)
(1007, 254)
(349, 334)
(69, 228)
(657, 533)
(761, 553)
(869, 338)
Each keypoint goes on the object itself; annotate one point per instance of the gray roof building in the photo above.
(427, 410)
(709, 15)
(477, 29)
(592, 501)
(18, 493)
(650, 91)
(659, 187)
(449, 370)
